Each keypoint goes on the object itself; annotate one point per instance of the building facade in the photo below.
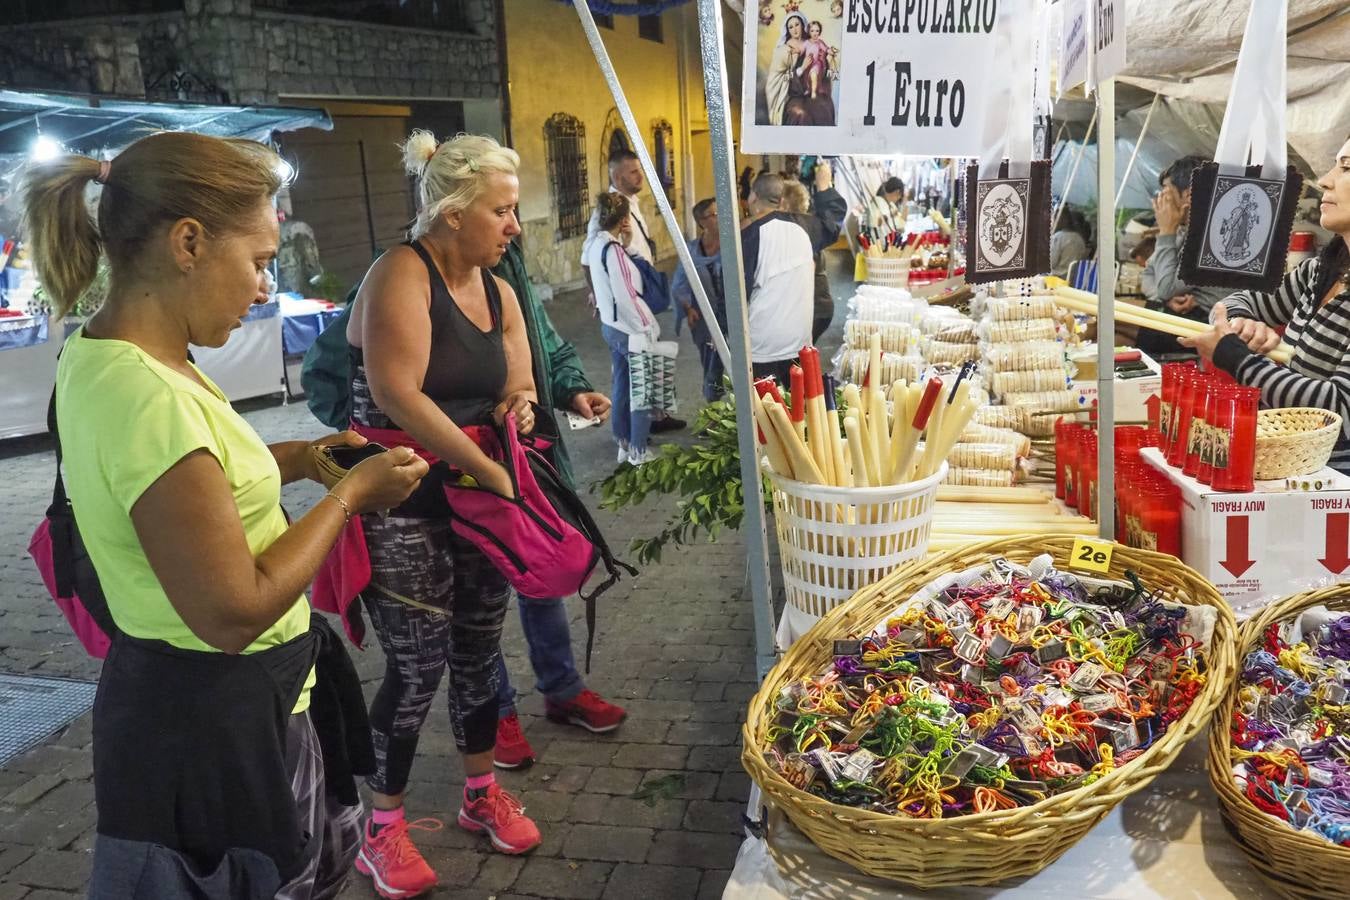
(380, 67)
(564, 123)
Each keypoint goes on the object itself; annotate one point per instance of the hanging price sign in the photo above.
(834, 77)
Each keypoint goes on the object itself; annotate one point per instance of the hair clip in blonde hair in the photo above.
(104, 170)
(473, 165)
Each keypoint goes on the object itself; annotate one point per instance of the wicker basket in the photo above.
(1295, 441)
(982, 848)
(1296, 864)
(889, 271)
(835, 541)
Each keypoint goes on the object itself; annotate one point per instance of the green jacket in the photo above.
(558, 376)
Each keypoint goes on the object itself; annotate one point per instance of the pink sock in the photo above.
(479, 782)
(387, 816)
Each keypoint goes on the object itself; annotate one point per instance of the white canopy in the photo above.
(1186, 49)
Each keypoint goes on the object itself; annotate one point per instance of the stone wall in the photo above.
(236, 54)
(101, 58)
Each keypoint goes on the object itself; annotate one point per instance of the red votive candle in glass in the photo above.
(1236, 446)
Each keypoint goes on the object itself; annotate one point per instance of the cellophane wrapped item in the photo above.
(896, 337)
(850, 366)
(1024, 355)
(980, 477)
(1004, 383)
(875, 303)
(983, 456)
(1007, 331)
(976, 433)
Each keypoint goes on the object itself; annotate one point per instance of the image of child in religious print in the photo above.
(798, 64)
(1238, 227)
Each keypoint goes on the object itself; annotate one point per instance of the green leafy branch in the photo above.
(706, 477)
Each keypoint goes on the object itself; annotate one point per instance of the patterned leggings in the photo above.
(456, 619)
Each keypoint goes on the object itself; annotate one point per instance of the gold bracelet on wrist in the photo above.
(346, 509)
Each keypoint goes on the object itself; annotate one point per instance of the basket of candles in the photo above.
(970, 717)
(1279, 756)
(854, 489)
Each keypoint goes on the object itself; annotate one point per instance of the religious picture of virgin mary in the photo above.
(798, 62)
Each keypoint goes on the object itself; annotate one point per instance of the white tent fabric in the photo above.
(1178, 128)
(1186, 49)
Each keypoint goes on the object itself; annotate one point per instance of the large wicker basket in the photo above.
(1294, 441)
(1296, 864)
(982, 848)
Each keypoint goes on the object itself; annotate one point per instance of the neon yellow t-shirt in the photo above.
(126, 419)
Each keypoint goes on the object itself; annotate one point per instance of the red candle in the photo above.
(1195, 436)
(1235, 454)
(1181, 418)
(1086, 474)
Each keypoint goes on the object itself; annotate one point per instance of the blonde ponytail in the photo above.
(63, 241)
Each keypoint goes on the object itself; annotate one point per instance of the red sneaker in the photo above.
(504, 820)
(512, 751)
(587, 709)
(394, 865)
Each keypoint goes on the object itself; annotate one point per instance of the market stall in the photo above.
(998, 715)
(249, 365)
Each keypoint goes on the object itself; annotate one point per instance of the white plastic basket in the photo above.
(887, 271)
(834, 541)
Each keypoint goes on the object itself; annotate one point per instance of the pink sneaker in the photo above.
(392, 862)
(504, 820)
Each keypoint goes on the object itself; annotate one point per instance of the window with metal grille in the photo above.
(649, 27)
(565, 150)
(663, 152)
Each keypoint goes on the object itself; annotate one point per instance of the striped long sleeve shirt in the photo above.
(1319, 373)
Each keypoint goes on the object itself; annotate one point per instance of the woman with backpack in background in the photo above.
(209, 774)
(629, 327)
(438, 349)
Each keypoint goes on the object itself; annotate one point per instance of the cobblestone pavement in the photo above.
(674, 646)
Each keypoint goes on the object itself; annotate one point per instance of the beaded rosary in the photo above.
(1291, 729)
(989, 690)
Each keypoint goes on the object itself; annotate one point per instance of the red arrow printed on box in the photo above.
(1338, 543)
(1237, 560)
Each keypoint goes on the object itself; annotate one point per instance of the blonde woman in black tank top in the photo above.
(439, 344)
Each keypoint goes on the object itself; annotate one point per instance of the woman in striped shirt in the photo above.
(1313, 302)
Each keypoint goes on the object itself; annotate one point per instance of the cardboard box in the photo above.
(1131, 394)
(1260, 546)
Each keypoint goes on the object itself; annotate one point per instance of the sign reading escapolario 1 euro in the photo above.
(833, 77)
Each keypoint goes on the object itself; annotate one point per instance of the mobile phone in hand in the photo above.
(348, 457)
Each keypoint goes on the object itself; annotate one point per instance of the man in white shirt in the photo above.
(625, 177)
(780, 269)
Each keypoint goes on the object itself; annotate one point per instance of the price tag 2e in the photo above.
(1092, 556)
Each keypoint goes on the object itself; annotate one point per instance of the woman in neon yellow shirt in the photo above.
(207, 770)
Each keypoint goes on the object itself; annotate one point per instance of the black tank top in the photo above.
(466, 371)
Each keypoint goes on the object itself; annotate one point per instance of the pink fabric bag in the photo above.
(92, 637)
(345, 573)
(538, 551)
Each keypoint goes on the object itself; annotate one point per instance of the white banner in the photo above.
(1108, 38)
(1073, 45)
(834, 77)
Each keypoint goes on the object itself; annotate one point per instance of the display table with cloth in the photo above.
(302, 321)
(28, 352)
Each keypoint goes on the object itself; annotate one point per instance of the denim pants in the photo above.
(631, 426)
(550, 643)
